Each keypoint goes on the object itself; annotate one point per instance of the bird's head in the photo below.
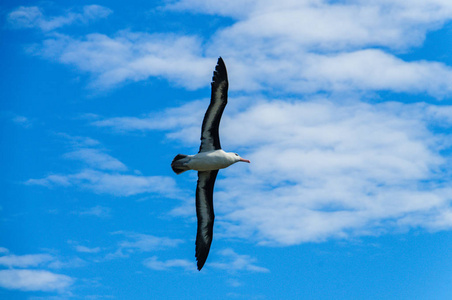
(237, 157)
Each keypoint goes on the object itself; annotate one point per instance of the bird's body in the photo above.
(208, 161)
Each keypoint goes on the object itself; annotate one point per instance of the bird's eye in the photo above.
(236, 154)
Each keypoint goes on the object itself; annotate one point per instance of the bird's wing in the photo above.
(210, 139)
(204, 212)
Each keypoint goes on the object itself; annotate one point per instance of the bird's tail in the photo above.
(179, 163)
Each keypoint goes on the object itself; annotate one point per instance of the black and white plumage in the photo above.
(208, 161)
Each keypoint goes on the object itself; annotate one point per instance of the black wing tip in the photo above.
(220, 72)
(220, 65)
(201, 260)
(200, 264)
(201, 252)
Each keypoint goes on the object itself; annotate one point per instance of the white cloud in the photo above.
(79, 142)
(372, 70)
(139, 242)
(26, 279)
(21, 274)
(75, 262)
(441, 115)
(102, 174)
(235, 262)
(187, 117)
(154, 264)
(289, 46)
(145, 242)
(132, 56)
(127, 185)
(98, 211)
(38, 260)
(97, 159)
(22, 121)
(268, 31)
(332, 170)
(328, 169)
(138, 56)
(24, 261)
(50, 180)
(231, 8)
(327, 25)
(361, 18)
(84, 249)
(92, 12)
(33, 17)
(34, 280)
(84, 149)
(363, 70)
(114, 184)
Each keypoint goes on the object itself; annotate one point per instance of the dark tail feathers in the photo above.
(178, 165)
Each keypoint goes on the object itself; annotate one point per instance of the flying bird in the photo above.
(208, 161)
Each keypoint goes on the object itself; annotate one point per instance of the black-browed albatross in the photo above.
(208, 161)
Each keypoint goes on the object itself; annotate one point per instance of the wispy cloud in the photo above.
(75, 262)
(22, 121)
(145, 242)
(97, 159)
(155, 264)
(84, 249)
(23, 275)
(372, 70)
(230, 262)
(79, 142)
(33, 17)
(131, 56)
(39, 260)
(186, 115)
(139, 242)
(97, 211)
(24, 261)
(113, 184)
(234, 262)
(34, 280)
(90, 152)
(104, 174)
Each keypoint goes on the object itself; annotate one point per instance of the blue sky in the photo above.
(343, 107)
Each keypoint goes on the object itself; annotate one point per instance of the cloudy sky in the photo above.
(343, 107)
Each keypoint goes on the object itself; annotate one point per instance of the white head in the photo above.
(237, 157)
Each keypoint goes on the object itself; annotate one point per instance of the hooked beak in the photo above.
(245, 160)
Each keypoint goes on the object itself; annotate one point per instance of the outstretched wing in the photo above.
(204, 212)
(210, 139)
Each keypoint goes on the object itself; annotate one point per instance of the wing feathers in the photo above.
(210, 139)
(204, 212)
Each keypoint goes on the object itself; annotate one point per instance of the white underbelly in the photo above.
(207, 161)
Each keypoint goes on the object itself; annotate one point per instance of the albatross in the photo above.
(208, 161)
